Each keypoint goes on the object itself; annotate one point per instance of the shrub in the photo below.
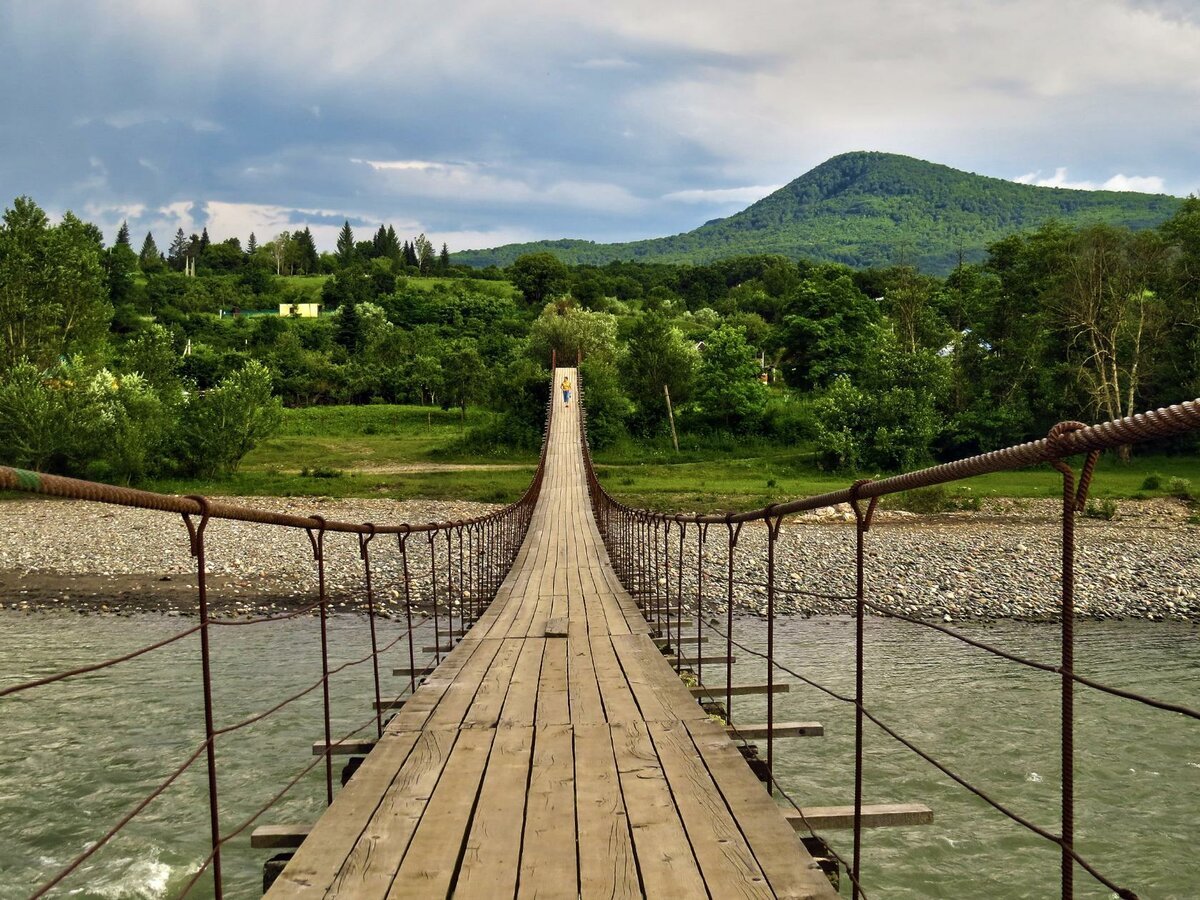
(222, 425)
(1101, 509)
(1180, 487)
(1152, 482)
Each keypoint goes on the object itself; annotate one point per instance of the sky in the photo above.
(481, 122)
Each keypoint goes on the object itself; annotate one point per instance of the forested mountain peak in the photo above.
(869, 208)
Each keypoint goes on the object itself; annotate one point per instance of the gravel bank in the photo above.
(1001, 562)
(92, 557)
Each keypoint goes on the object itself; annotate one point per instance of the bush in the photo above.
(1180, 487)
(1152, 482)
(607, 406)
(222, 425)
(1101, 509)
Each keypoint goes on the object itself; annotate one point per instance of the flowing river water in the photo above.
(79, 754)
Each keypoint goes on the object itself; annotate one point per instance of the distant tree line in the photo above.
(877, 369)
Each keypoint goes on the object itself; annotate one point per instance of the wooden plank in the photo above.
(615, 692)
(520, 704)
(393, 703)
(279, 837)
(489, 699)
(665, 860)
(556, 627)
(684, 639)
(780, 729)
(548, 866)
(607, 864)
(459, 695)
(875, 815)
(790, 870)
(429, 866)
(317, 862)
(717, 691)
(370, 866)
(553, 699)
(726, 861)
(489, 865)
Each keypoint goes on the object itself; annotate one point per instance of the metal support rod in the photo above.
(734, 532)
(402, 540)
(772, 537)
(862, 526)
(196, 536)
(437, 644)
(364, 550)
(318, 545)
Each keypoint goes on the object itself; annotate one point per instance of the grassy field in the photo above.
(399, 452)
(311, 284)
(754, 481)
(416, 452)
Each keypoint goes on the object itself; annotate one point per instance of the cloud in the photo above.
(748, 194)
(1142, 184)
(603, 121)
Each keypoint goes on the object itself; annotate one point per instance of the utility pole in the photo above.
(671, 416)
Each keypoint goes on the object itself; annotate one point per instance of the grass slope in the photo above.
(869, 209)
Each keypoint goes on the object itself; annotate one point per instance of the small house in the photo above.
(301, 310)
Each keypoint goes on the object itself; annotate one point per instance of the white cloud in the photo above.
(607, 62)
(1142, 184)
(483, 184)
(747, 194)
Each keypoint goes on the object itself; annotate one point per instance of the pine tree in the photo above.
(177, 253)
(393, 247)
(345, 244)
(204, 241)
(444, 259)
(252, 245)
(150, 259)
(379, 242)
(123, 234)
(349, 327)
(305, 252)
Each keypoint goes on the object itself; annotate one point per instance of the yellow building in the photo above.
(303, 310)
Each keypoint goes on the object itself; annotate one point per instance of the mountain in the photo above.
(869, 209)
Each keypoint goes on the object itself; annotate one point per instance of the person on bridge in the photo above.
(566, 389)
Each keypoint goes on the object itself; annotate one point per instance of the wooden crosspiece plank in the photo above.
(874, 815)
(553, 752)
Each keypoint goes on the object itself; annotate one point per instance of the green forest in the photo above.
(122, 363)
(868, 209)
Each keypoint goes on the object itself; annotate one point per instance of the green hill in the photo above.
(867, 209)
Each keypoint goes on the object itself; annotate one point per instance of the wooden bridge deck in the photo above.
(536, 764)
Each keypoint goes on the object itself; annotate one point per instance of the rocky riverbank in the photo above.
(1000, 562)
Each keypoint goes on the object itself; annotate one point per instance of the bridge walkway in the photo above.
(554, 753)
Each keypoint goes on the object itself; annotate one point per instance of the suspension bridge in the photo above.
(548, 745)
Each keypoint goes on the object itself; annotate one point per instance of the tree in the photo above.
(252, 245)
(349, 327)
(657, 355)
(304, 252)
(444, 259)
(425, 254)
(220, 426)
(728, 391)
(178, 251)
(150, 260)
(538, 276)
(825, 331)
(123, 234)
(53, 292)
(1113, 315)
(204, 241)
(345, 244)
(571, 332)
(464, 375)
(281, 249)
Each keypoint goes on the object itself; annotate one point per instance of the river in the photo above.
(79, 754)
